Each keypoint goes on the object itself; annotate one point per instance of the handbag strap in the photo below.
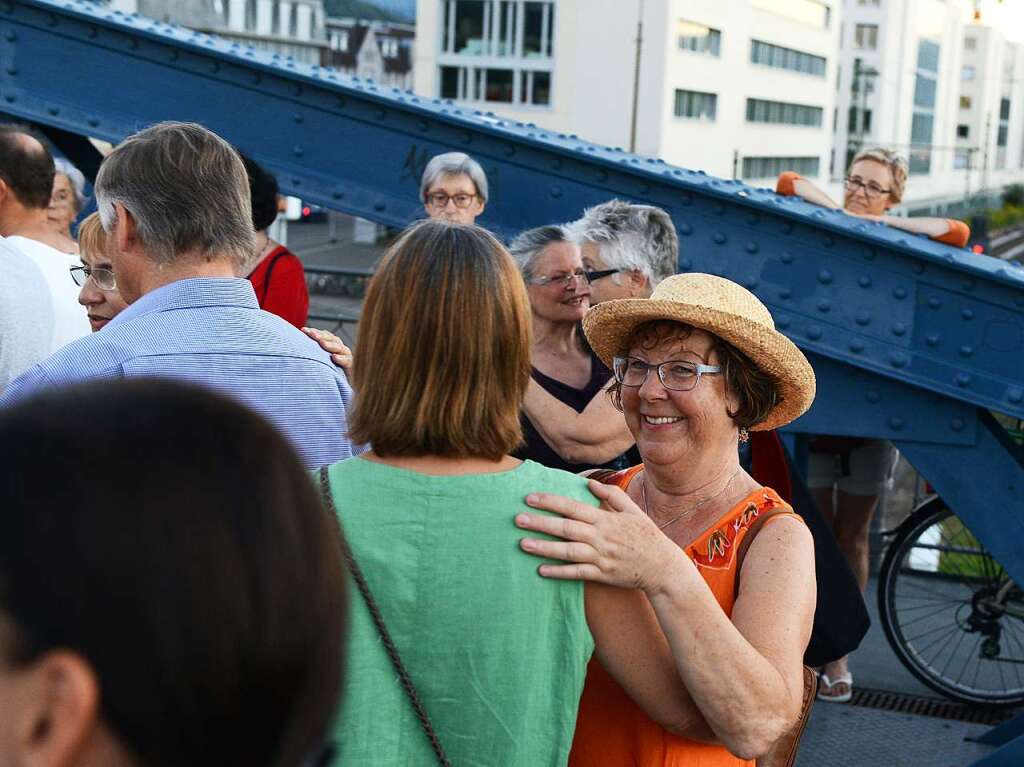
(378, 621)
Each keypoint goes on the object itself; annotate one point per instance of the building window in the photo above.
(865, 37)
(770, 167)
(963, 131)
(922, 124)
(873, 3)
(776, 56)
(489, 29)
(1004, 110)
(965, 102)
(1002, 132)
(961, 159)
(854, 124)
(506, 28)
(389, 47)
(782, 113)
(696, 105)
(812, 12)
(698, 38)
(970, 43)
(967, 73)
(293, 22)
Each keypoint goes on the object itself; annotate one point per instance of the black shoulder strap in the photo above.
(378, 621)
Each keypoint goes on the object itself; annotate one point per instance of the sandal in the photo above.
(838, 690)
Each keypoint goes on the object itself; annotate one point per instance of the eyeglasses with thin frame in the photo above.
(102, 277)
(564, 280)
(871, 189)
(675, 375)
(439, 200)
(600, 274)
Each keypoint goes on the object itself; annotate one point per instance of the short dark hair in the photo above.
(757, 391)
(27, 169)
(172, 539)
(263, 189)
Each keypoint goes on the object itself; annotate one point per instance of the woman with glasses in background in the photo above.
(454, 188)
(847, 475)
(563, 364)
(99, 295)
(874, 183)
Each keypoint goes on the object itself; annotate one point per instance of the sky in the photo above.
(1007, 16)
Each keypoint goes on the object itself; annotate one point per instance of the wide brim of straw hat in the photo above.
(720, 307)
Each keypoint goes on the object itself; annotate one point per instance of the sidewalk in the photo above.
(851, 736)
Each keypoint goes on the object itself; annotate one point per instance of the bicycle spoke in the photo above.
(949, 631)
(952, 655)
(919, 587)
(924, 617)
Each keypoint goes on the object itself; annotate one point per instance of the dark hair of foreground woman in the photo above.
(171, 589)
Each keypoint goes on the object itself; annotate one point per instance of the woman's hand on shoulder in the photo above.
(341, 355)
(617, 545)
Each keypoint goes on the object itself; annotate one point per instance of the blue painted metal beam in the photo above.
(909, 337)
(901, 306)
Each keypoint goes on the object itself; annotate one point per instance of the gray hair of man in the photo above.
(529, 244)
(630, 237)
(187, 190)
(64, 167)
(452, 164)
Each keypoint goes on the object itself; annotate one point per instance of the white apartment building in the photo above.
(920, 77)
(289, 27)
(737, 88)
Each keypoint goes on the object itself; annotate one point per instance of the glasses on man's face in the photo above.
(871, 189)
(563, 280)
(599, 274)
(439, 200)
(102, 277)
(677, 375)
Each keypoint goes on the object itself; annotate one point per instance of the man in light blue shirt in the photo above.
(174, 201)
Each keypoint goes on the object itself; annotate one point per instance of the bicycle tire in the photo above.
(934, 573)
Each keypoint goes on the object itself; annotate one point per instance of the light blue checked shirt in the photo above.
(212, 332)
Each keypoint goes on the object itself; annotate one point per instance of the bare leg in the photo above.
(852, 524)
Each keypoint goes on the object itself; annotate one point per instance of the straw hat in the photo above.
(720, 307)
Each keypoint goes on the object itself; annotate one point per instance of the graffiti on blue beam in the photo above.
(860, 293)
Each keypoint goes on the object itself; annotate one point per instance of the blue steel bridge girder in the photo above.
(909, 337)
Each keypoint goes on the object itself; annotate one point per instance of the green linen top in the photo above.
(497, 653)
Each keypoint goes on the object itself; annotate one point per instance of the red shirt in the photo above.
(280, 284)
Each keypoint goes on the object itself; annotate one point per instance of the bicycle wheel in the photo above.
(950, 612)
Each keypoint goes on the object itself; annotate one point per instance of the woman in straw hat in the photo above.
(696, 365)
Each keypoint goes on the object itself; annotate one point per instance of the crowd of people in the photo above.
(534, 532)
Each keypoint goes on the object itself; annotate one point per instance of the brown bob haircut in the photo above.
(442, 358)
(92, 240)
(756, 390)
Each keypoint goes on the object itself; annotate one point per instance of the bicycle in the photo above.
(950, 612)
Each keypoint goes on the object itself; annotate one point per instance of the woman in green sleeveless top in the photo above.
(496, 653)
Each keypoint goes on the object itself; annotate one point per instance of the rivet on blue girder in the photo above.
(899, 293)
(825, 277)
(10, 98)
(786, 257)
(934, 302)
(814, 332)
(870, 254)
(93, 122)
(785, 293)
(12, 71)
(719, 208)
(54, 111)
(918, 268)
(957, 424)
(895, 423)
(1015, 395)
(899, 329)
(298, 117)
(684, 229)
(856, 346)
(962, 379)
(966, 351)
(898, 360)
(752, 247)
(787, 227)
(829, 240)
(967, 314)
(12, 36)
(556, 191)
(864, 281)
(873, 396)
(719, 238)
(932, 339)
(297, 150)
(824, 305)
(686, 198)
(337, 194)
(685, 264)
(380, 207)
(782, 323)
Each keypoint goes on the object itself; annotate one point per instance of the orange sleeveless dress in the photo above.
(610, 728)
